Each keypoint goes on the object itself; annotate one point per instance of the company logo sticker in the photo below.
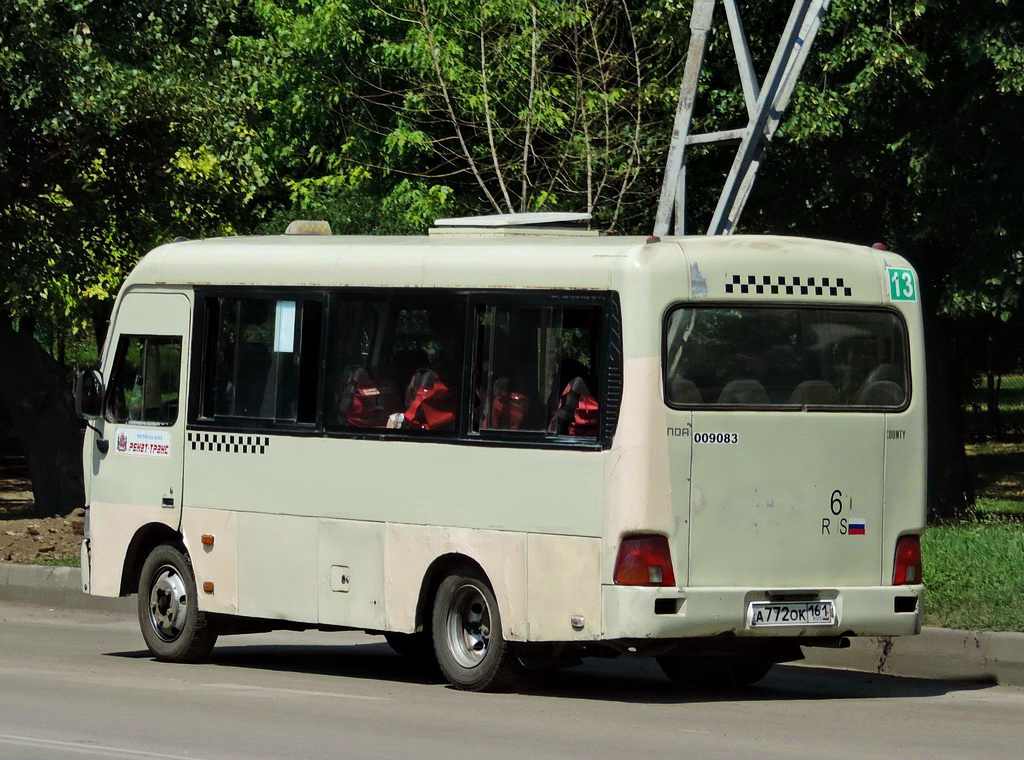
(144, 443)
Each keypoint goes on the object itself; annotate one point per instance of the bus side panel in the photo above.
(403, 482)
(350, 580)
(410, 550)
(216, 563)
(563, 579)
(111, 529)
(638, 473)
(277, 567)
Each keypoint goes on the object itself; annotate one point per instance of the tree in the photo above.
(107, 146)
(503, 105)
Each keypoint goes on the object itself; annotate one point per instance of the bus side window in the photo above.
(395, 362)
(264, 356)
(144, 387)
(534, 369)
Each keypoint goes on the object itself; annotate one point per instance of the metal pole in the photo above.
(672, 194)
(765, 106)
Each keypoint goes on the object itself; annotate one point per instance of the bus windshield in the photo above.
(785, 357)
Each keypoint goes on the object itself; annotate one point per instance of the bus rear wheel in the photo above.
(172, 625)
(470, 649)
(705, 673)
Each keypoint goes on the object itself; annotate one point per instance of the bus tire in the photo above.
(172, 625)
(706, 673)
(468, 644)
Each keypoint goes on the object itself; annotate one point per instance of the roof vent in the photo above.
(502, 225)
(308, 227)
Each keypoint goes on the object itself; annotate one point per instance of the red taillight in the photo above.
(644, 561)
(907, 568)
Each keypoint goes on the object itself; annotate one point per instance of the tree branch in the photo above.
(436, 62)
(487, 115)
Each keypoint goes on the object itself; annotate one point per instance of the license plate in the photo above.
(797, 614)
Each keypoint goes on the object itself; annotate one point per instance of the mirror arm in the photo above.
(101, 443)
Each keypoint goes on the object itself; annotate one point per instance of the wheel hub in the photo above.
(468, 626)
(168, 603)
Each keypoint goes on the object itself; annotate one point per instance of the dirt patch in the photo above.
(26, 539)
(34, 539)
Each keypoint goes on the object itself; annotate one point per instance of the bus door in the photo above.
(139, 478)
(788, 441)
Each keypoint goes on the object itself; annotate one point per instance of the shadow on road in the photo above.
(626, 679)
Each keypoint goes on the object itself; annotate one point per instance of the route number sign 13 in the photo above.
(902, 285)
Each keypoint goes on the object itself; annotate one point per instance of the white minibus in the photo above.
(507, 446)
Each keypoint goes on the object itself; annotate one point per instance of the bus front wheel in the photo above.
(468, 643)
(172, 625)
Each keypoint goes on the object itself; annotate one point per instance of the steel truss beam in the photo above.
(766, 102)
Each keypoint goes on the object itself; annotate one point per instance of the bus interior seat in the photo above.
(880, 393)
(884, 371)
(366, 399)
(433, 403)
(510, 410)
(683, 391)
(743, 393)
(406, 363)
(577, 412)
(814, 393)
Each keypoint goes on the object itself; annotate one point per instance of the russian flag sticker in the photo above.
(856, 527)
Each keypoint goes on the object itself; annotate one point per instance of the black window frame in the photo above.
(115, 371)
(393, 294)
(608, 365)
(785, 408)
(202, 367)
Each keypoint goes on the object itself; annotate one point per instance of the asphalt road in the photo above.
(80, 684)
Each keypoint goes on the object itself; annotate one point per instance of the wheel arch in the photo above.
(436, 572)
(146, 538)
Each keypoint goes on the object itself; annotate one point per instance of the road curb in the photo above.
(940, 653)
(54, 587)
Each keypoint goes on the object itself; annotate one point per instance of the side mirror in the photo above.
(89, 395)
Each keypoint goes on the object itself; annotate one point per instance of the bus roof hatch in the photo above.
(500, 225)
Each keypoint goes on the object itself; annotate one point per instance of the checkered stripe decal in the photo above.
(231, 444)
(790, 286)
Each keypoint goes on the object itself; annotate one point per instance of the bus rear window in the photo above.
(786, 358)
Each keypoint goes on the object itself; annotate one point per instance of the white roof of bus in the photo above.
(465, 262)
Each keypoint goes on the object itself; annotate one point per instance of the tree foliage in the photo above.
(109, 141)
(116, 122)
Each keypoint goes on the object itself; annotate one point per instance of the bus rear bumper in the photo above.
(632, 612)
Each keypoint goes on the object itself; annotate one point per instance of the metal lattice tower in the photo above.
(766, 101)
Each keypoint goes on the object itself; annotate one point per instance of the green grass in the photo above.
(974, 570)
(57, 561)
(999, 507)
(974, 575)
